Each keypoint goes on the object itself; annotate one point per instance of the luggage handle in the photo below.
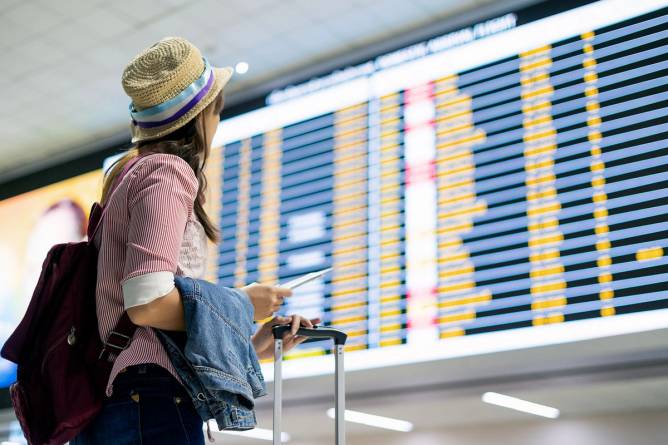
(316, 332)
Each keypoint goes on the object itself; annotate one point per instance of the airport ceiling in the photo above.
(62, 61)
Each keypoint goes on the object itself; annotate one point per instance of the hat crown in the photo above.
(162, 71)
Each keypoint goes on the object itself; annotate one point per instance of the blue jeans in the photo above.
(148, 406)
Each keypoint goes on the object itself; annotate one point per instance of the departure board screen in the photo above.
(507, 175)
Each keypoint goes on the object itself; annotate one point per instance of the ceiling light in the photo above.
(520, 405)
(372, 420)
(241, 68)
(256, 433)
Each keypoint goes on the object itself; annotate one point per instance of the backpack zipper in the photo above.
(71, 337)
(53, 347)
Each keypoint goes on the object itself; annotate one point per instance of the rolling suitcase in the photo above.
(339, 339)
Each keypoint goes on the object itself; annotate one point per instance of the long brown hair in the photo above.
(188, 143)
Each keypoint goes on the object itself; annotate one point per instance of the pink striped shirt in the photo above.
(149, 227)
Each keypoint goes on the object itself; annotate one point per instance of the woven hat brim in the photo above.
(221, 77)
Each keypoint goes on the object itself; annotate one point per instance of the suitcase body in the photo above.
(339, 339)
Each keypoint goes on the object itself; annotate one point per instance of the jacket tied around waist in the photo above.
(215, 356)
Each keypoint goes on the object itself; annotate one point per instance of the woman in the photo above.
(155, 227)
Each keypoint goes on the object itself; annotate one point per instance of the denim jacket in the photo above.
(215, 357)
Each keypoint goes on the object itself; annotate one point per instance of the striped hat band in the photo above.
(172, 109)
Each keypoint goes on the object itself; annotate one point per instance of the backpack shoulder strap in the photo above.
(117, 181)
(120, 336)
(118, 339)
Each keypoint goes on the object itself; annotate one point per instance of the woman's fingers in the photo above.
(282, 291)
(278, 294)
(291, 341)
(266, 299)
(299, 321)
(295, 321)
(278, 319)
(310, 323)
(294, 324)
(299, 339)
(305, 322)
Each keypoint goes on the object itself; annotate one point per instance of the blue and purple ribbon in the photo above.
(171, 110)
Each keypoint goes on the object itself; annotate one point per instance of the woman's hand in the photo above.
(266, 299)
(263, 340)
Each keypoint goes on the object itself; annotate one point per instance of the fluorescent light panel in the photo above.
(536, 409)
(376, 421)
(255, 433)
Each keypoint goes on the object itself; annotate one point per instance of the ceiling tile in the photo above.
(9, 130)
(104, 23)
(49, 82)
(171, 25)
(10, 33)
(14, 64)
(297, 17)
(277, 28)
(246, 35)
(397, 13)
(66, 37)
(445, 6)
(213, 14)
(176, 2)
(133, 43)
(40, 54)
(352, 27)
(34, 19)
(137, 11)
(409, 11)
(324, 9)
(260, 6)
(6, 5)
(21, 94)
(316, 33)
(70, 8)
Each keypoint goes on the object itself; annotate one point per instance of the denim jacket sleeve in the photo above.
(218, 354)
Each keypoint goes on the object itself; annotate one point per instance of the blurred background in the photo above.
(486, 178)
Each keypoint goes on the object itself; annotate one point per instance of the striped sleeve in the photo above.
(161, 194)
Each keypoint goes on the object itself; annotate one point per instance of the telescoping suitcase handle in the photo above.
(340, 391)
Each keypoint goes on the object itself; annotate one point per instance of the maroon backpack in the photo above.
(63, 366)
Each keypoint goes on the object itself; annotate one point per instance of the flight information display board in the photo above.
(507, 175)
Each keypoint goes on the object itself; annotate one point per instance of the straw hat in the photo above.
(169, 84)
